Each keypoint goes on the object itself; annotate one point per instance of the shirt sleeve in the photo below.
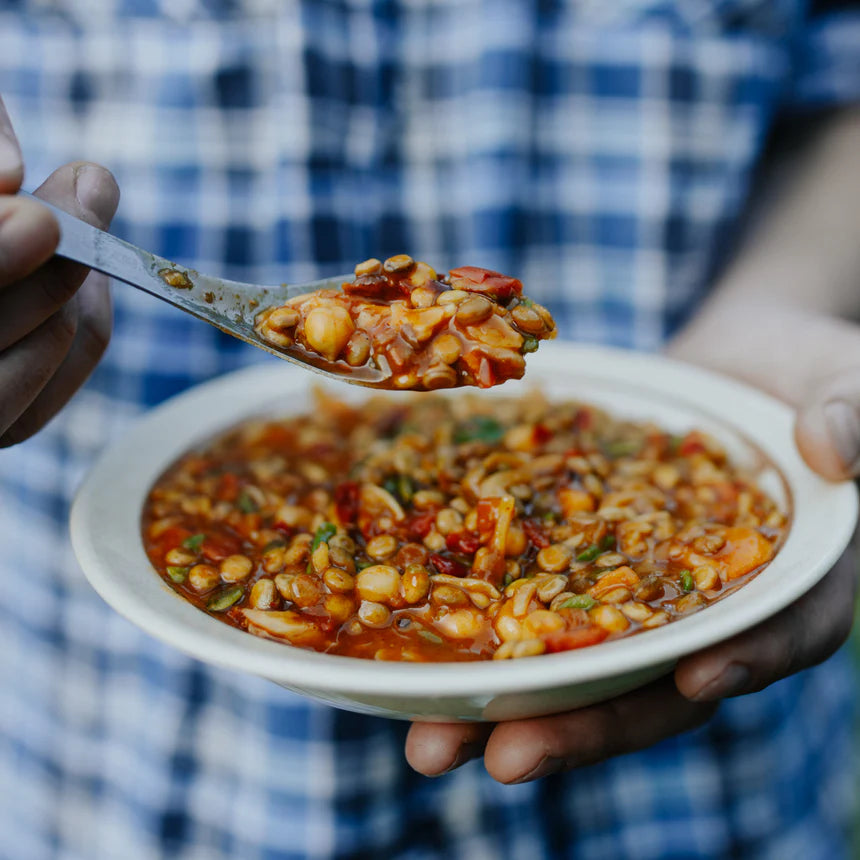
(826, 57)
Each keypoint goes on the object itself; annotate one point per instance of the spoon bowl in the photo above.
(228, 305)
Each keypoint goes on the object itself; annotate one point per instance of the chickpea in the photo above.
(368, 267)
(357, 349)
(542, 621)
(339, 580)
(706, 577)
(425, 499)
(554, 558)
(515, 541)
(372, 614)
(341, 558)
(609, 618)
(273, 559)
(551, 587)
(320, 558)
(508, 628)
(282, 318)
(415, 583)
(275, 337)
(339, 606)
(658, 619)
(203, 577)
(452, 297)
(461, 623)
(179, 557)
(263, 594)
(305, 590)
(399, 264)
(474, 310)
(434, 541)
(379, 583)
(439, 376)
(284, 582)
(446, 347)
(527, 320)
(448, 595)
(381, 547)
(235, 568)
(636, 611)
(422, 297)
(448, 520)
(327, 330)
(528, 648)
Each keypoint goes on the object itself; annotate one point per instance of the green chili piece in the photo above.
(194, 542)
(608, 543)
(361, 565)
(527, 302)
(530, 343)
(687, 580)
(590, 553)
(323, 535)
(580, 601)
(623, 447)
(405, 489)
(225, 599)
(480, 428)
(177, 574)
(550, 517)
(273, 544)
(430, 637)
(246, 504)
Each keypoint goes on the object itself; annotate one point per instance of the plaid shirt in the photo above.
(602, 151)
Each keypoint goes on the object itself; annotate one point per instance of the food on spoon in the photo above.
(469, 327)
(445, 529)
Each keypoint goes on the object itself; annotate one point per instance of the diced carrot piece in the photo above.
(579, 637)
(745, 550)
(574, 501)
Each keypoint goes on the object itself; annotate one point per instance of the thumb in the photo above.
(11, 164)
(828, 427)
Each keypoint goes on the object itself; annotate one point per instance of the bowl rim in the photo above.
(127, 582)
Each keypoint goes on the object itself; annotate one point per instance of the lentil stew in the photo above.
(446, 529)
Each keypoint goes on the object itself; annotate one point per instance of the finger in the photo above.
(806, 633)
(29, 234)
(90, 193)
(529, 749)
(11, 163)
(26, 367)
(828, 427)
(437, 748)
(91, 340)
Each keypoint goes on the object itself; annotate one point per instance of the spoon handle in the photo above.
(98, 250)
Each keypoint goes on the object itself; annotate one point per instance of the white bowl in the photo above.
(105, 525)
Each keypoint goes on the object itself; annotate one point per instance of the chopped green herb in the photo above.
(580, 601)
(590, 553)
(401, 487)
(508, 579)
(323, 535)
(194, 542)
(608, 543)
(550, 517)
(177, 574)
(687, 580)
(225, 599)
(246, 504)
(361, 565)
(675, 443)
(623, 447)
(480, 428)
(430, 637)
(530, 343)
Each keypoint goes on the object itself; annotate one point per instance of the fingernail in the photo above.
(734, 679)
(10, 156)
(466, 753)
(547, 766)
(843, 424)
(96, 191)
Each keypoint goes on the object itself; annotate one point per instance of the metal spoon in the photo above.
(229, 305)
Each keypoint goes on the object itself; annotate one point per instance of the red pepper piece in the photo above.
(541, 434)
(346, 502)
(228, 487)
(218, 547)
(463, 542)
(418, 527)
(494, 284)
(691, 444)
(535, 534)
(448, 566)
(376, 287)
(579, 637)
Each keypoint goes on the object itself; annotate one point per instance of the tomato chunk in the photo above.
(569, 640)
(494, 284)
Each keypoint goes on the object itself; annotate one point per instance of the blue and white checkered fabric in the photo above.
(600, 150)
